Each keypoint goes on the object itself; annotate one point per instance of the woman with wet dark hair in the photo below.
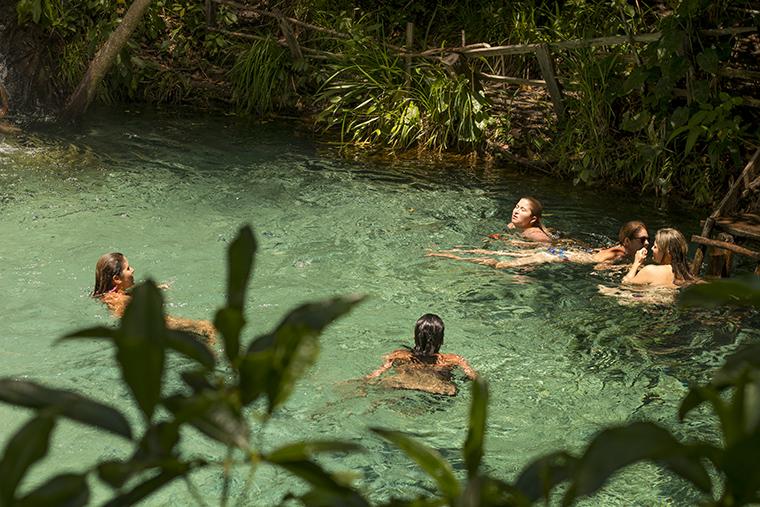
(423, 367)
(113, 279)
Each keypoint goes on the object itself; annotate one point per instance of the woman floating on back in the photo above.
(114, 277)
(670, 252)
(632, 237)
(423, 367)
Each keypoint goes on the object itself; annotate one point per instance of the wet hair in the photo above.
(537, 209)
(629, 229)
(428, 335)
(108, 266)
(672, 243)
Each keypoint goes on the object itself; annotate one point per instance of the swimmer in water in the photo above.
(526, 219)
(672, 269)
(423, 368)
(114, 277)
(632, 237)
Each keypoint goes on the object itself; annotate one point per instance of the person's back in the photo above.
(423, 368)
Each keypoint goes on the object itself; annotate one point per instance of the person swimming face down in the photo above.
(113, 274)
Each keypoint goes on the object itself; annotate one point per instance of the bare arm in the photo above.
(389, 359)
(475, 260)
(632, 275)
(466, 368)
(199, 327)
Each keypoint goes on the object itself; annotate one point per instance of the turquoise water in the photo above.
(170, 190)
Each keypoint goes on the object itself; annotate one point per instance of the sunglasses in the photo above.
(643, 239)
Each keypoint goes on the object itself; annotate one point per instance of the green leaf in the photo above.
(616, 448)
(148, 487)
(65, 490)
(66, 403)
(239, 265)
(708, 60)
(415, 502)
(739, 291)
(300, 451)
(26, 447)
(747, 357)
(742, 472)
(539, 478)
(214, 415)
(230, 323)
(428, 459)
(692, 139)
(190, 346)
(636, 123)
(679, 117)
(473, 445)
(275, 361)
(93, 332)
(140, 346)
(230, 320)
(156, 448)
(320, 497)
(488, 492)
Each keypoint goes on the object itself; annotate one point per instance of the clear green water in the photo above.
(170, 190)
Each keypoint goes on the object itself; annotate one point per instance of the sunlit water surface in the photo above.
(170, 191)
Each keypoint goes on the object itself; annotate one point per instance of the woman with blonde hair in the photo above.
(670, 252)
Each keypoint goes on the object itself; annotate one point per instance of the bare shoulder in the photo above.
(450, 359)
(116, 302)
(536, 234)
(399, 354)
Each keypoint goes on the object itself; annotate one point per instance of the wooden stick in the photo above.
(408, 47)
(725, 246)
(295, 49)
(547, 69)
(512, 80)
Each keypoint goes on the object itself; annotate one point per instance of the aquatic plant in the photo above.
(220, 394)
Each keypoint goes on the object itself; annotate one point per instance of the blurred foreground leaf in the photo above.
(65, 403)
(25, 448)
(429, 460)
(739, 291)
(65, 490)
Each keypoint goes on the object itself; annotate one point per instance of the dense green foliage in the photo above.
(221, 396)
(660, 116)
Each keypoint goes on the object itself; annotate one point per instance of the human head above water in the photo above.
(633, 236)
(428, 335)
(670, 247)
(112, 273)
(527, 213)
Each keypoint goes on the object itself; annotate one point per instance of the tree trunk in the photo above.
(78, 102)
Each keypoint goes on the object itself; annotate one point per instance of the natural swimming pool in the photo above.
(170, 190)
